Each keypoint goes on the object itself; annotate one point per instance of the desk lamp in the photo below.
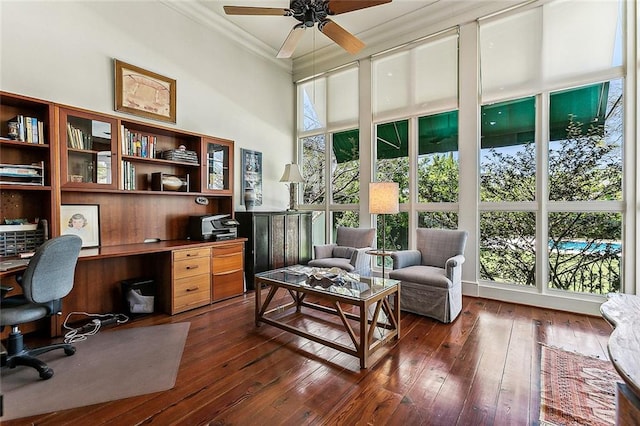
(292, 176)
(383, 199)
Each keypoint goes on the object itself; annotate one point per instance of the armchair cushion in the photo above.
(323, 251)
(420, 274)
(403, 258)
(344, 252)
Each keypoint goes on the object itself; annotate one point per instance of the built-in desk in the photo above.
(101, 270)
(622, 311)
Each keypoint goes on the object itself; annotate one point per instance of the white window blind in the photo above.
(579, 37)
(423, 78)
(436, 74)
(541, 48)
(391, 80)
(510, 55)
(343, 97)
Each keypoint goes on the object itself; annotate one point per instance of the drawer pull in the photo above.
(192, 267)
(193, 288)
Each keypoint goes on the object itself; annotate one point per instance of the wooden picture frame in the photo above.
(82, 220)
(144, 93)
(251, 163)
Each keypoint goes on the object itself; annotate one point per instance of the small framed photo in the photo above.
(82, 220)
(144, 93)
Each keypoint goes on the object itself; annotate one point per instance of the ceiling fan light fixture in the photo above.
(310, 12)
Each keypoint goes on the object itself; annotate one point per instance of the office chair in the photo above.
(47, 279)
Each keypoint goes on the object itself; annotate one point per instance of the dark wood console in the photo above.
(274, 240)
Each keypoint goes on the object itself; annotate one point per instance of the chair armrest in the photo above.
(454, 266)
(360, 260)
(404, 258)
(323, 251)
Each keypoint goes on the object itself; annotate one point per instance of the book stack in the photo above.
(181, 155)
(30, 129)
(77, 139)
(137, 144)
(128, 176)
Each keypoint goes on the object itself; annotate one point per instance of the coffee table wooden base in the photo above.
(365, 342)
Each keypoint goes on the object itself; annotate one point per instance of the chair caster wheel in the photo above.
(46, 373)
(69, 351)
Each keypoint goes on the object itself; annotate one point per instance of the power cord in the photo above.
(90, 328)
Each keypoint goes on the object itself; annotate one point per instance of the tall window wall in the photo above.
(329, 149)
(415, 119)
(549, 148)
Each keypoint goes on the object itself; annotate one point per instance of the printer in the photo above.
(218, 227)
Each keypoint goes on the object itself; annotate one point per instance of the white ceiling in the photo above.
(380, 27)
(273, 30)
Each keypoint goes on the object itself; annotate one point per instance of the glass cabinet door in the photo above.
(218, 160)
(88, 144)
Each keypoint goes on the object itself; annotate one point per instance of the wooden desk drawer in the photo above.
(191, 253)
(227, 285)
(227, 250)
(191, 292)
(227, 263)
(190, 267)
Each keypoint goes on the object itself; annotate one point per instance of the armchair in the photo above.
(47, 279)
(432, 275)
(349, 251)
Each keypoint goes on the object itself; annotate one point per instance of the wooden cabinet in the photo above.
(274, 240)
(190, 279)
(32, 200)
(227, 271)
(88, 146)
(148, 150)
(219, 166)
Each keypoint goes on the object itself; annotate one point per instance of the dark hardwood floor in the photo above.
(481, 370)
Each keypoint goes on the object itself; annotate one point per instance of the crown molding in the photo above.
(216, 23)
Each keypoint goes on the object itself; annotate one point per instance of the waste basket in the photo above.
(138, 296)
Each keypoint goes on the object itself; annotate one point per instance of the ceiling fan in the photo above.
(309, 13)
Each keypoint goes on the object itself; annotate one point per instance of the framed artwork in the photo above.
(82, 220)
(251, 175)
(144, 93)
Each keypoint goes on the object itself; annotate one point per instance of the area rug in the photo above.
(576, 389)
(113, 364)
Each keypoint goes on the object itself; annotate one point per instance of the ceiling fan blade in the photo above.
(245, 10)
(342, 37)
(291, 42)
(337, 7)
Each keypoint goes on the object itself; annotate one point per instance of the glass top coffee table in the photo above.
(376, 300)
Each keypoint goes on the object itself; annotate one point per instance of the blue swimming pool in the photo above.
(582, 245)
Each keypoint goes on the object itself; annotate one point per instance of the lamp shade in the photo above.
(383, 198)
(291, 174)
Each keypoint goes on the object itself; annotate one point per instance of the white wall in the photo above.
(63, 52)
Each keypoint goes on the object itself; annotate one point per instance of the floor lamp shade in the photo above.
(383, 198)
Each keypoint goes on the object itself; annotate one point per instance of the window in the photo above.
(525, 57)
(437, 168)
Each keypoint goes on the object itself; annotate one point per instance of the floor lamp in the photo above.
(383, 199)
(292, 176)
